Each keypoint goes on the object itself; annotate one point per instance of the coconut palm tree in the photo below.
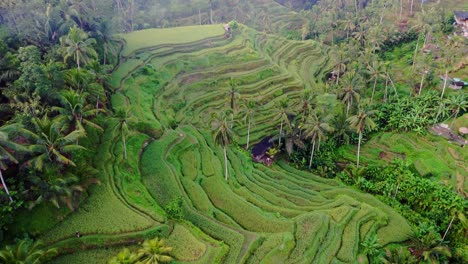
(75, 112)
(341, 60)
(375, 71)
(78, 79)
(348, 93)
(49, 143)
(77, 45)
(104, 35)
(222, 135)
(123, 119)
(421, 24)
(155, 251)
(55, 187)
(428, 248)
(316, 129)
(125, 256)
(349, 25)
(5, 156)
(456, 103)
(448, 58)
(360, 122)
(248, 111)
(27, 251)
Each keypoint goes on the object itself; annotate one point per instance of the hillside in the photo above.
(260, 214)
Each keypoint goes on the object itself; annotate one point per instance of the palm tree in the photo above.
(361, 121)
(293, 137)
(50, 144)
(399, 255)
(105, 38)
(448, 58)
(5, 155)
(316, 129)
(248, 111)
(53, 186)
(124, 118)
(349, 94)
(78, 45)
(222, 135)
(232, 96)
(155, 251)
(25, 251)
(341, 60)
(125, 256)
(428, 248)
(283, 117)
(349, 25)
(232, 93)
(75, 111)
(456, 104)
(421, 24)
(375, 72)
(78, 79)
(306, 98)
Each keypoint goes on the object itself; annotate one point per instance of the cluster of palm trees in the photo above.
(49, 111)
(152, 251)
(27, 251)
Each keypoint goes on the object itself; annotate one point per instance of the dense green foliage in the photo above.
(94, 155)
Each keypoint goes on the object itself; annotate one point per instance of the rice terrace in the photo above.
(259, 140)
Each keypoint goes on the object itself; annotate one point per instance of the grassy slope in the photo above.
(154, 37)
(260, 214)
(432, 155)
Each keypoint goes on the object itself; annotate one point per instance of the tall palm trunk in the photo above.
(356, 6)
(448, 228)
(4, 186)
(393, 85)
(359, 149)
(78, 60)
(386, 90)
(373, 90)
(105, 54)
(248, 135)
(422, 82)
(312, 154)
(232, 120)
(281, 132)
(445, 84)
(125, 147)
(416, 50)
(347, 108)
(401, 8)
(225, 164)
(211, 12)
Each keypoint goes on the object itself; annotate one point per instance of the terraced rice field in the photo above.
(432, 156)
(260, 214)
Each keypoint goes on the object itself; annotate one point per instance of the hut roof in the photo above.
(461, 14)
(262, 147)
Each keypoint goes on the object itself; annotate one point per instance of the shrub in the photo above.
(174, 209)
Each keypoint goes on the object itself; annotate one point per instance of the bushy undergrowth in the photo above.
(429, 206)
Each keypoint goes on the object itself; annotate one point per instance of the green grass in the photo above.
(185, 246)
(431, 155)
(154, 37)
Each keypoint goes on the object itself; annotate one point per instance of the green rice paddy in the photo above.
(172, 80)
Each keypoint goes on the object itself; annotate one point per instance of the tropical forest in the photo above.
(233, 131)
